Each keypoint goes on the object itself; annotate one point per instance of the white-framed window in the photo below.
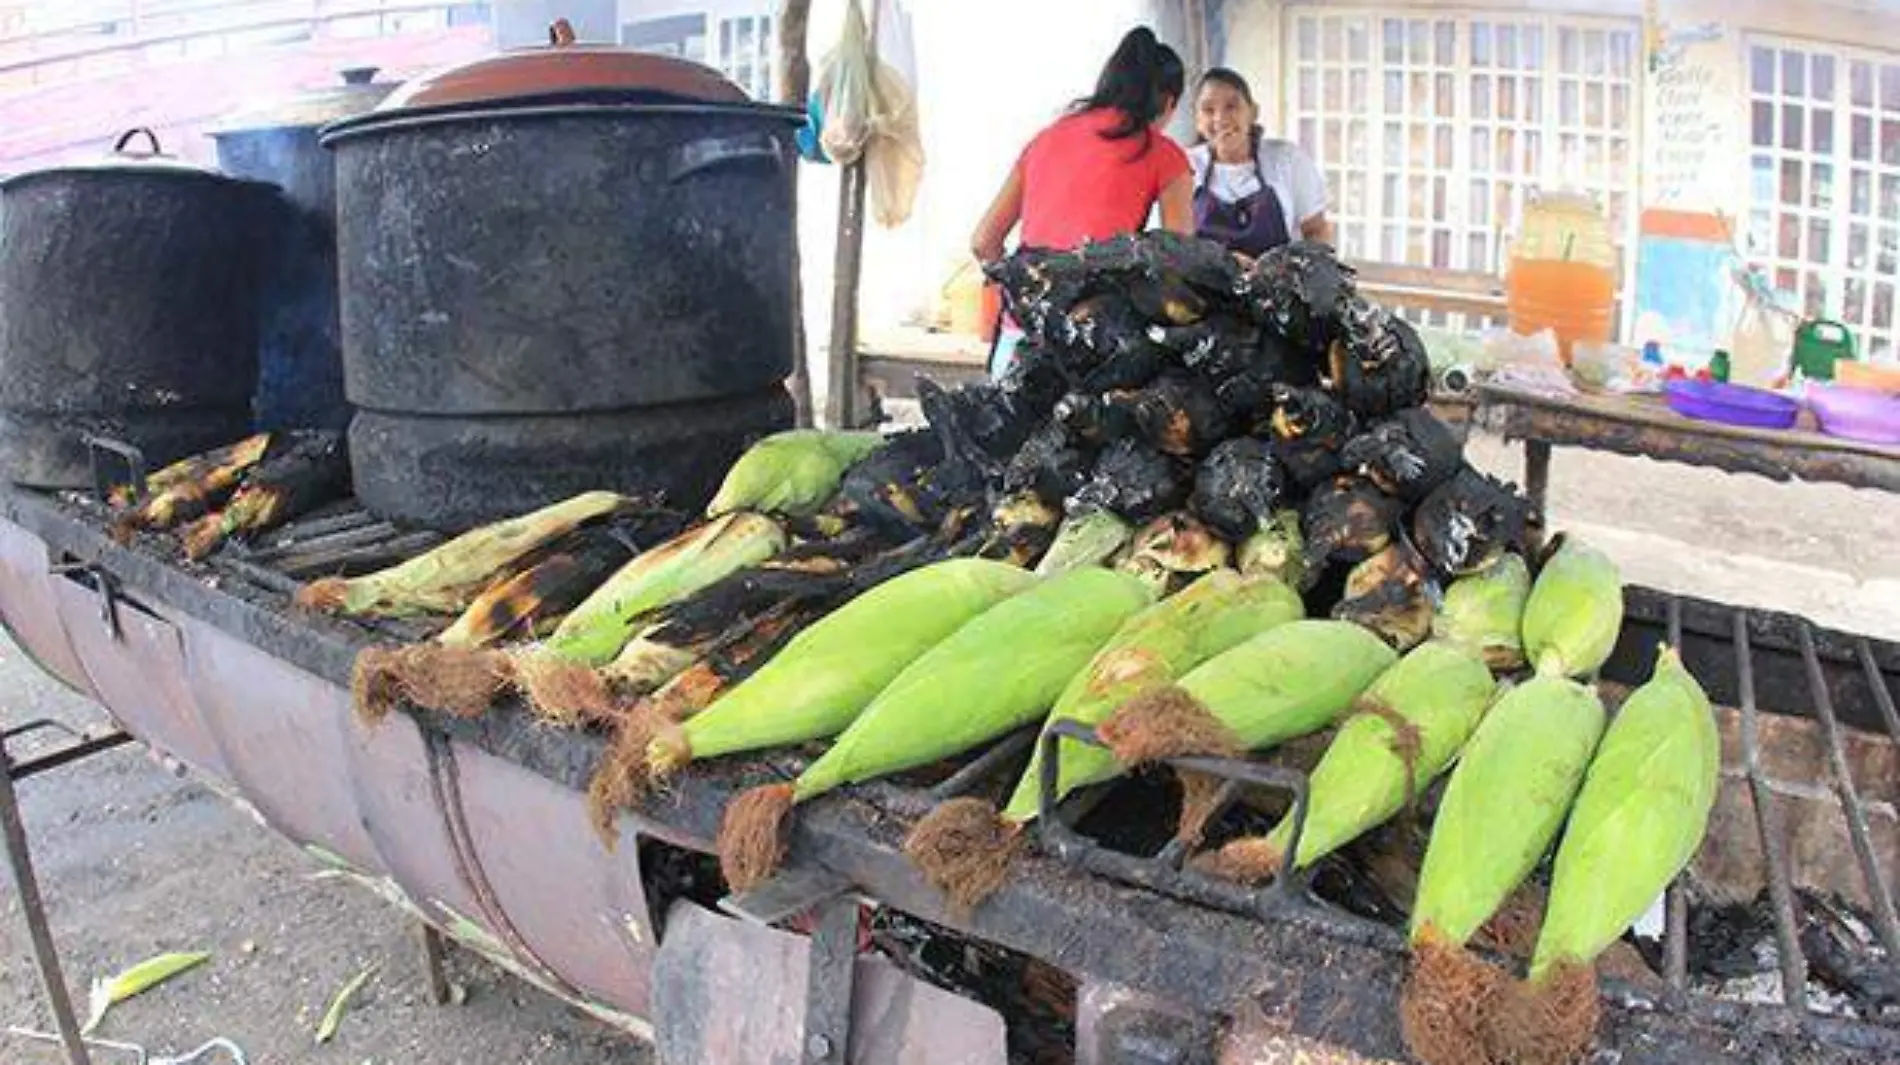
(1824, 188)
(1433, 127)
(746, 51)
(681, 35)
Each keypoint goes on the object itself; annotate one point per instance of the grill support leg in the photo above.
(1537, 485)
(45, 952)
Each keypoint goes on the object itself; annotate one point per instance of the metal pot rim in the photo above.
(553, 106)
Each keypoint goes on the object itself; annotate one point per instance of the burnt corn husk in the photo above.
(565, 573)
(301, 470)
(1135, 481)
(1469, 522)
(1309, 428)
(1347, 520)
(1407, 455)
(1238, 487)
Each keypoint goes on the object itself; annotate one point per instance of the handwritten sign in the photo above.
(1691, 107)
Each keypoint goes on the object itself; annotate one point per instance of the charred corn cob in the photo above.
(445, 579)
(193, 486)
(300, 471)
(603, 623)
(1407, 728)
(998, 672)
(1276, 551)
(569, 571)
(795, 472)
(194, 467)
(1484, 613)
(1508, 796)
(1574, 612)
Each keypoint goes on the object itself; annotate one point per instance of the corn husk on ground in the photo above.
(1637, 822)
(794, 473)
(1403, 733)
(965, 846)
(445, 579)
(1003, 669)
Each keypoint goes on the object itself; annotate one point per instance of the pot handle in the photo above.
(709, 153)
(126, 139)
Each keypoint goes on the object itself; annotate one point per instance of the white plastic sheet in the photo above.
(868, 105)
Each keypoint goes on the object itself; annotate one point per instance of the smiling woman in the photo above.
(1251, 193)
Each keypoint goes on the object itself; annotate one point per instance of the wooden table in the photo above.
(1644, 426)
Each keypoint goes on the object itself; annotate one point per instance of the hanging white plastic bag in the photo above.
(894, 165)
(845, 86)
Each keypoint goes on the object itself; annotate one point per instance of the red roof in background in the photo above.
(181, 100)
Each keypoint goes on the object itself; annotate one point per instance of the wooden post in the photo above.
(794, 80)
(841, 368)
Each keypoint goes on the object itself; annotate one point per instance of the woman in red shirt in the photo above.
(1099, 170)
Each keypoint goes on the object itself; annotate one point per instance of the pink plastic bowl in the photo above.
(1857, 413)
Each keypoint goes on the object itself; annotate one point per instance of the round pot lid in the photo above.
(355, 94)
(136, 151)
(563, 69)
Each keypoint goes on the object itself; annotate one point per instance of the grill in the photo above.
(1773, 670)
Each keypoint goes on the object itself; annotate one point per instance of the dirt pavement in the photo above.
(136, 861)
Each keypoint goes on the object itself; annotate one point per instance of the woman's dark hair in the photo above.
(1138, 81)
(1229, 78)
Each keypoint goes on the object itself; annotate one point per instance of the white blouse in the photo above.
(1295, 178)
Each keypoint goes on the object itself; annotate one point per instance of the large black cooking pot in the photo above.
(127, 310)
(561, 267)
(300, 348)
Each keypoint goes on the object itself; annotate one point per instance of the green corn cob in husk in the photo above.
(1409, 726)
(965, 846)
(1278, 550)
(1574, 612)
(999, 672)
(793, 473)
(1088, 539)
(1484, 613)
(1637, 823)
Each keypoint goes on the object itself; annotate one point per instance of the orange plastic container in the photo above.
(1562, 275)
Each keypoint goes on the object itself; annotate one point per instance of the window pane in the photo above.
(1478, 209)
(1394, 93)
(1419, 34)
(1889, 196)
(1335, 91)
(1791, 183)
(1480, 150)
(1762, 128)
(1533, 100)
(1788, 238)
(1507, 98)
(1820, 241)
(1620, 116)
(1569, 107)
(1445, 97)
(1358, 92)
(1331, 44)
(1890, 141)
(1481, 96)
(1862, 148)
(1358, 144)
(1890, 86)
(1861, 193)
(1622, 53)
(1394, 31)
(1445, 35)
(1533, 48)
(1794, 70)
(1596, 60)
(1507, 47)
(1821, 78)
(1394, 144)
(1569, 51)
(1761, 66)
(1309, 90)
(1860, 82)
(1480, 44)
(1309, 39)
(1476, 257)
(1821, 132)
(1357, 47)
(1593, 105)
(1335, 142)
(1791, 127)
(1441, 250)
(1445, 151)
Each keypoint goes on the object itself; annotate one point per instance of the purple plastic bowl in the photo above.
(1731, 404)
(1857, 413)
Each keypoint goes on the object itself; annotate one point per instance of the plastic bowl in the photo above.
(1856, 413)
(1710, 401)
(1871, 376)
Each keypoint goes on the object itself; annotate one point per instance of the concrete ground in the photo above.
(135, 861)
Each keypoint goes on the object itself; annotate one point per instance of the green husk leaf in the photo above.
(1213, 615)
(1295, 679)
(333, 1016)
(1087, 539)
(110, 991)
(1638, 820)
(594, 633)
(1278, 550)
